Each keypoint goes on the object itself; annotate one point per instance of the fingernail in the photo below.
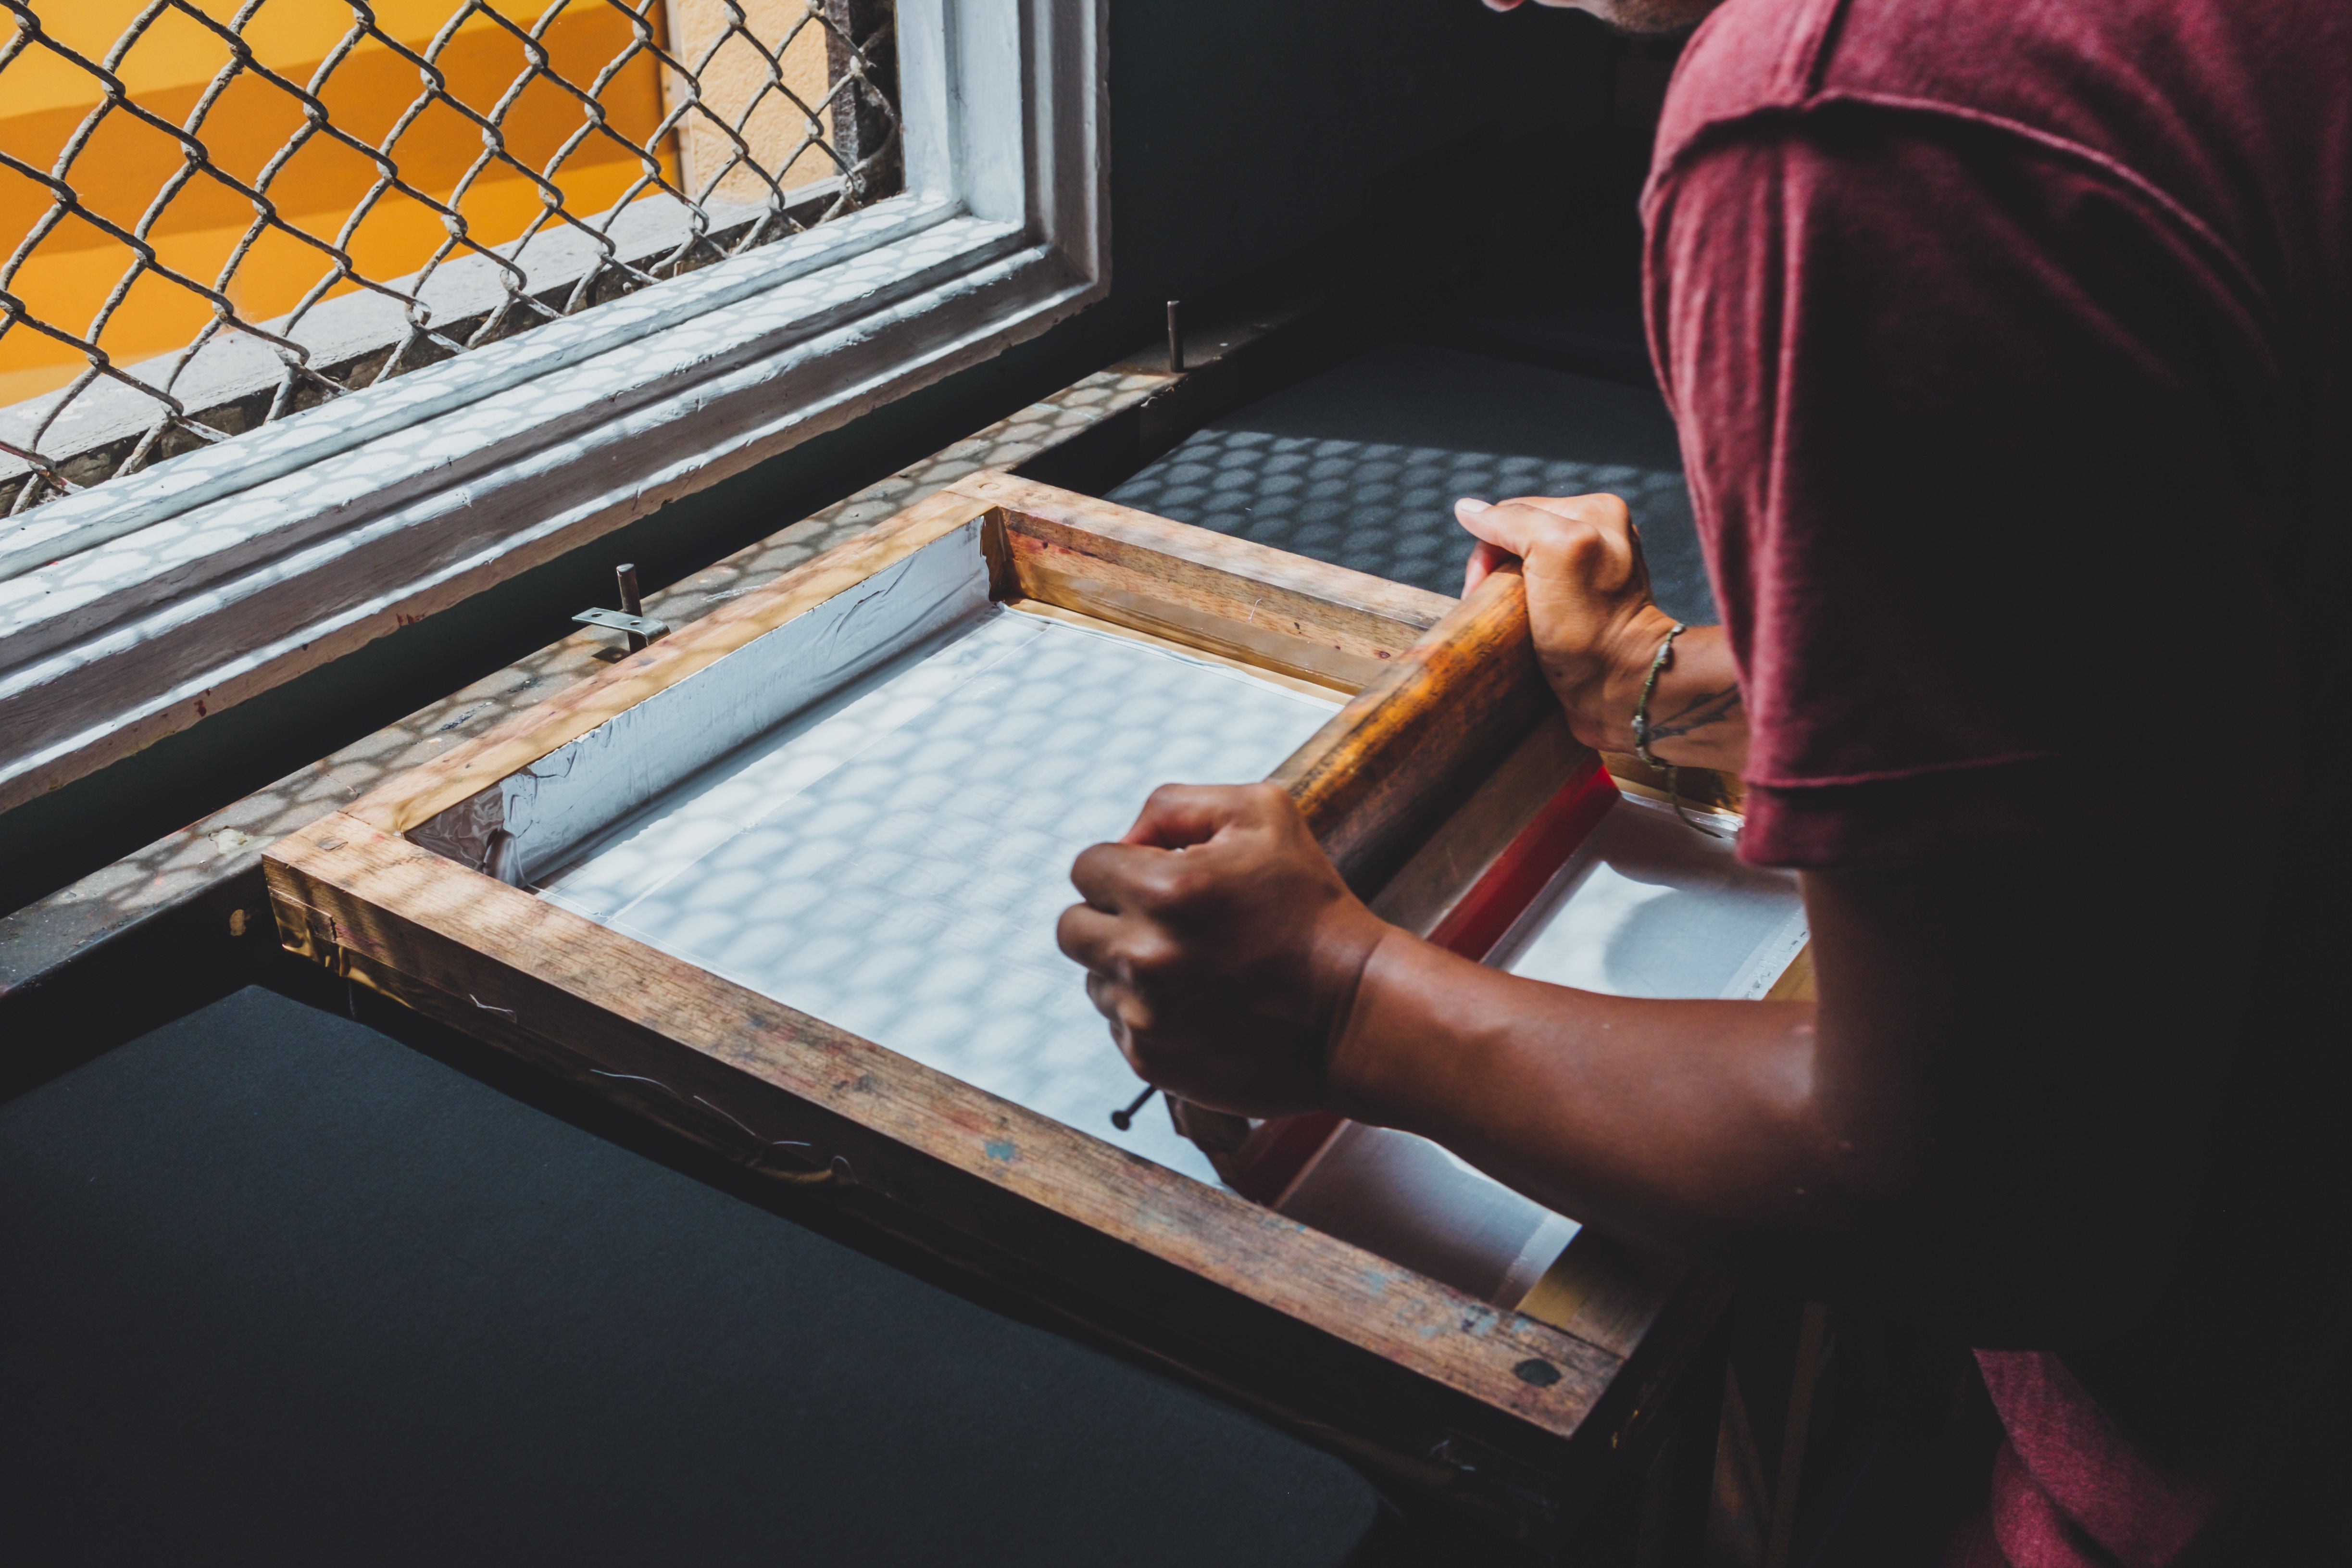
(1471, 504)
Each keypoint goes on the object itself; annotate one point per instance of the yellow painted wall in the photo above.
(733, 76)
(67, 279)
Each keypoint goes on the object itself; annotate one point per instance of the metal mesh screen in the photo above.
(220, 212)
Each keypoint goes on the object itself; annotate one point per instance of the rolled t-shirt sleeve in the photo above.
(1965, 420)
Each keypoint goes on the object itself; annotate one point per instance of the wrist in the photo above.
(1601, 709)
(1377, 1068)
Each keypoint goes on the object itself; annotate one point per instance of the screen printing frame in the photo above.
(1446, 757)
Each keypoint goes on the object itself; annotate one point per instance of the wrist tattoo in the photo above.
(1707, 708)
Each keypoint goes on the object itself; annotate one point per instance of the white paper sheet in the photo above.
(894, 861)
(1416, 1202)
(1648, 908)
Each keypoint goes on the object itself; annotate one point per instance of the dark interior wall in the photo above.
(1246, 129)
(1254, 141)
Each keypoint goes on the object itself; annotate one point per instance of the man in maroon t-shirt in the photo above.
(2011, 349)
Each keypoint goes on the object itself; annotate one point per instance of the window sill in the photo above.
(227, 573)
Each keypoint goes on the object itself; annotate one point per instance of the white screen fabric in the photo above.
(893, 859)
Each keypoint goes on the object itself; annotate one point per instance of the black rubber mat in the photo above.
(1361, 466)
(279, 1288)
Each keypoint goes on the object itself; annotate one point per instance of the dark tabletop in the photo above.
(279, 1288)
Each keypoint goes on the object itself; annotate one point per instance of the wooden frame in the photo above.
(1419, 787)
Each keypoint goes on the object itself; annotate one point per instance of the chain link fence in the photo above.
(221, 212)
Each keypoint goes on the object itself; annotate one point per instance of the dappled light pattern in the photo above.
(186, 864)
(894, 861)
(1361, 466)
(1378, 508)
(237, 505)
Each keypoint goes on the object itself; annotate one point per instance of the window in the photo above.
(320, 316)
(218, 220)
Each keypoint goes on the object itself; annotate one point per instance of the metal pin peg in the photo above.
(642, 629)
(632, 602)
(1123, 1120)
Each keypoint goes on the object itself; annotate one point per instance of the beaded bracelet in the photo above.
(1658, 662)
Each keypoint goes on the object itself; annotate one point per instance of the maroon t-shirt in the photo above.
(2011, 343)
(1995, 329)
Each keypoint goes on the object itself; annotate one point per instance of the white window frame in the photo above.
(132, 610)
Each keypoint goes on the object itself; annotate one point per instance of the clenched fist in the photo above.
(1222, 946)
(1597, 630)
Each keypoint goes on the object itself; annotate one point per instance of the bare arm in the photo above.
(1773, 1131)
(1990, 1112)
